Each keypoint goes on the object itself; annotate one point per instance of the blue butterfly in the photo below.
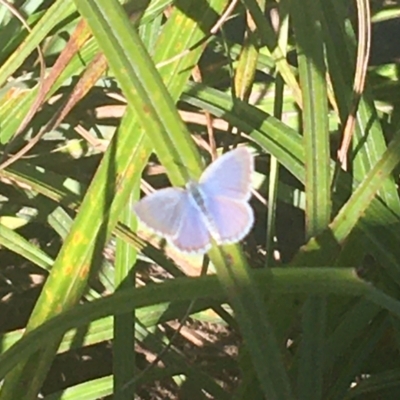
(215, 207)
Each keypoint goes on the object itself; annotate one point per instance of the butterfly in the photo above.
(217, 206)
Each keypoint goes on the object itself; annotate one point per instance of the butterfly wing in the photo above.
(192, 235)
(161, 211)
(172, 213)
(231, 220)
(229, 175)
(226, 188)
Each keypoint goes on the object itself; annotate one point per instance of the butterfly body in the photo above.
(215, 207)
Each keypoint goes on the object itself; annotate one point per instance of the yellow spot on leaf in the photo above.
(78, 238)
(84, 271)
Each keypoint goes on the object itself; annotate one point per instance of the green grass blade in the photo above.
(124, 278)
(368, 142)
(268, 37)
(145, 92)
(285, 280)
(312, 72)
(19, 245)
(351, 213)
(285, 144)
(59, 11)
(143, 88)
(96, 222)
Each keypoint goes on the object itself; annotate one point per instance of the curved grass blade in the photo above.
(285, 144)
(285, 280)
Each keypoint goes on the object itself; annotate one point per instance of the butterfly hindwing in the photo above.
(192, 235)
(229, 175)
(230, 220)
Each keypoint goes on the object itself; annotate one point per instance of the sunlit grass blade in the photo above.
(124, 358)
(19, 245)
(266, 131)
(312, 73)
(60, 10)
(118, 161)
(176, 151)
(351, 213)
(284, 143)
(368, 141)
(269, 38)
(144, 89)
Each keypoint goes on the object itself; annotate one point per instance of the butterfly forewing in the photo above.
(229, 175)
(161, 211)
